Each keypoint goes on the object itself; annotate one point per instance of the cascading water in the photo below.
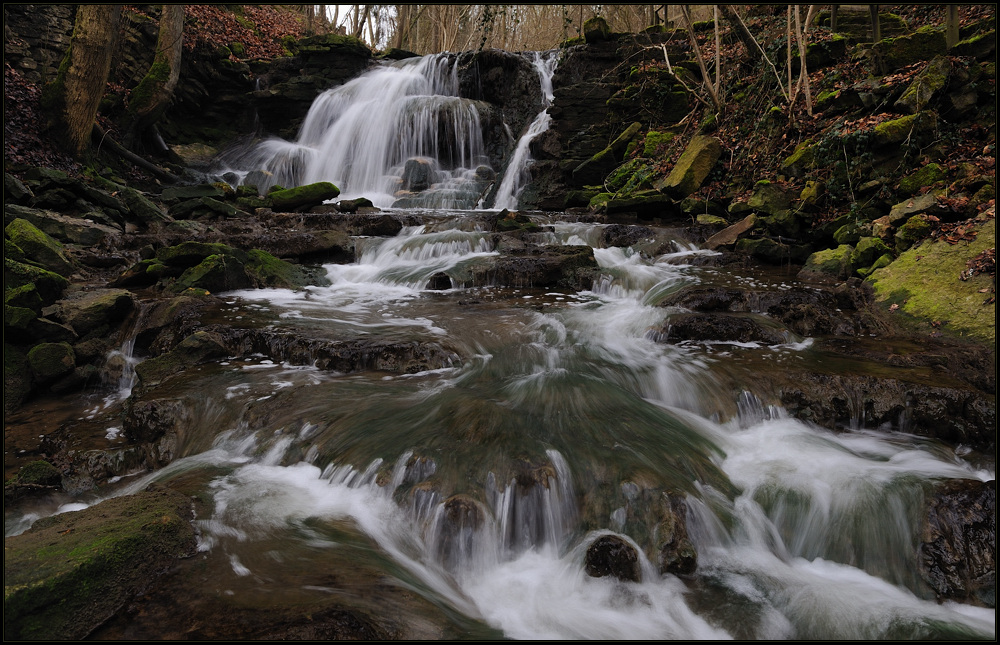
(399, 134)
(479, 487)
(518, 174)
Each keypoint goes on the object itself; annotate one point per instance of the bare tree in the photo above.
(152, 96)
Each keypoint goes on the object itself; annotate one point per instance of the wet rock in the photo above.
(624, 236)
(178, 194)
(418, 175)
(197, 348)
(303, 196)
(957, 553)
(611, 555)
(722, 327)
(142, 208)
(460, 520)
(729, 236)
(536, 266)
(828, 264)
(675, 553)
(70, 572)
(14, 191)
(95, 312)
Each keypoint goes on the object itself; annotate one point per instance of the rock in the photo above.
(70, 572)
(598, 166)
(50, 361)
(771, 198)
(925, 176)
(38, 246)
(693, 167)
(925, 282)
(48, 285)
(96, 311)
(14, 191)
(675, 552)
(535, 266)
(773, 251)
(867, 250)
(957, 553)
(925, 86)
(895, 53)
(625, 236)
(141, 207)
(176, 194)
(729, 236)
(981, 45)
(801, 161)
(197, 348)
(611, 555)
(304, 196)
(733, 328)
(457, 528)
(915, 229)
(899, 130)
(926, 204)
(418, 175)
(596, 30)
(829, 263)
(72, 230)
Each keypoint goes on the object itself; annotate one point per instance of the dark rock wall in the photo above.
(35, 37)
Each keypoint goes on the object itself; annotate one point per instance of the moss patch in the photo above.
(924, 282)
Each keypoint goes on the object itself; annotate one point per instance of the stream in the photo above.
(461, 501)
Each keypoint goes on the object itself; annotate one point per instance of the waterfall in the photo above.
(518, 174)
(399, 135)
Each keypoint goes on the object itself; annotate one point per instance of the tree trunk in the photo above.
(876, 26)
(72, 99)
(749, 42)
(951, 33)
(151, 98)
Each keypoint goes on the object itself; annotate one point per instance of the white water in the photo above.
(808, 547)
(518, 175)
(360, 135)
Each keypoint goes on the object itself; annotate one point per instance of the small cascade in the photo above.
(518, 173)
(399, 135)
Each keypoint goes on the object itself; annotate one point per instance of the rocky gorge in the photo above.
(128, 301)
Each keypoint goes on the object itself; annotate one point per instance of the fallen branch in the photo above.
(101, 138)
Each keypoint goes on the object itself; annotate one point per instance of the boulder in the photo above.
(693, 167)
(418, 175)
(38, 246)
(48, 285)
(95, 311)
(142, 208)
(66, 229)
(925, 282)
(611, 555)
(926, 43)
(728, 236)
(925, 86)
(303, 196)
(50, 361)
(828, 263)
(71, 572)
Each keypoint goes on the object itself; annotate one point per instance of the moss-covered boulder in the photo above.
(772, 251)
(693, 167)
(141, 207)
(926, 284)
(38, 247)
(899, 130)
(17, 382)
(596, 30)
(801, 161)
(48, 285)
(925, 86)
(71, 572)
(771, 198)
(828, 263)
(189, 254)
(655, 141)
(66, 229)
(195, 349)
(895, 53)
(97, 311)
(594, 169)
(49, 361)
(925, 176)
(176, 194)
(915, 229)
(867, 251)
(304, 196)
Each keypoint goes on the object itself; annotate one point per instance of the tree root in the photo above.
(102, 138)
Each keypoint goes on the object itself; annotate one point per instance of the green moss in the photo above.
(915, 229)
(655, 141)
(925, 283)
(926, 176)
(142, 95)
(238, 49)
(570, 42)
(899, 130)
(39, 472)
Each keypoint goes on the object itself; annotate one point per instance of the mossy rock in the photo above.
(596, 30)
(49, 285)
(867, 250)
(892, 54)
(828, 263)
(882, 262)
(693, 167)
(17, 381)
(38, 247)
(304, 196)
(899, 130)
(39, 472)
(926, 176)
(929, 82)
(199, 347)
(49, 361)
(925, 282)
(915, 229)
(654, 141)
(71, 572)
(188, 254)
(801, 161)
(183, 193)
(771, 198)
(773, 252)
